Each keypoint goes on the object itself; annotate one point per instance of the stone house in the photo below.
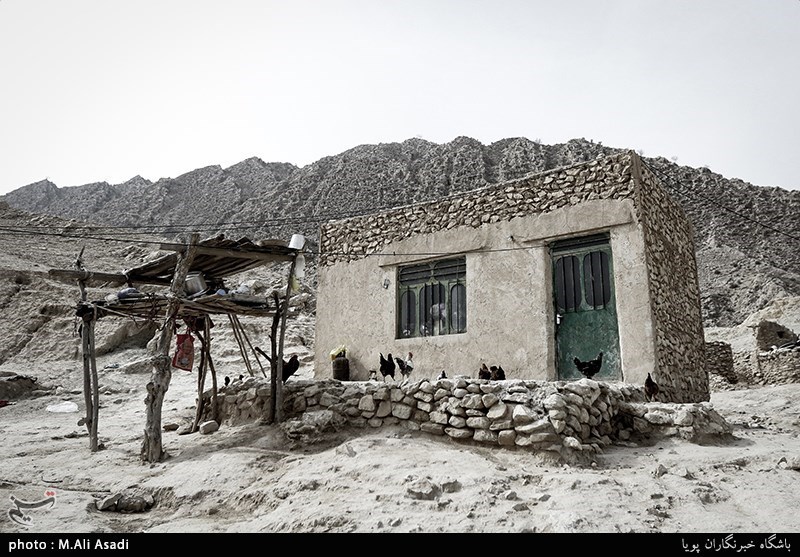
(529, 274)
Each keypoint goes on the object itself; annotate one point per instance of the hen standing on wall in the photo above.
(590, 368)
(650, 388)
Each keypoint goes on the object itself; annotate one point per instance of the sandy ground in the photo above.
(250, 478)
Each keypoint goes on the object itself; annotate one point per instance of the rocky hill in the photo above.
(743, 265)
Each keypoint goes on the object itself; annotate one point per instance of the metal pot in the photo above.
(195, 283)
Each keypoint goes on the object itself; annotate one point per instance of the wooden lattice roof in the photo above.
(215, 257)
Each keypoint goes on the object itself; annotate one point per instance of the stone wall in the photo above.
(770, 334)
(570, 421)
(670, 306)
(674, 291)
(719, 360)
(358, 237)
(778, 367)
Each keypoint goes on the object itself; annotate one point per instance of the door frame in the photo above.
(569, 246)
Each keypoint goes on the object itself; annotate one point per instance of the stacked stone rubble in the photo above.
(674, 291)
(719, 360)
(566, 420)
(355, 238)
(777, 367)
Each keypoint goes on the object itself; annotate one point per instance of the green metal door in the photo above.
(586, 314)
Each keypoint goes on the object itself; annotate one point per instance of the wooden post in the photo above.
(236, 326)
(152, 450)
(94, 445)
(277, 393)
(246, 339)
(214, 405)
(91, 389)
(201, 381)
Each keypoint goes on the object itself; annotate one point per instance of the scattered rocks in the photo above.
(423, 489)
(208, 427)
(126, 502)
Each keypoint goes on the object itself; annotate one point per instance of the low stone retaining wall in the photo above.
(719, 360)
(569, 421)
(778, 367)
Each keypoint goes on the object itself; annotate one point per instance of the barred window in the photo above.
(432, 298)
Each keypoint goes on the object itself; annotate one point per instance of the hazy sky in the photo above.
(102, 90)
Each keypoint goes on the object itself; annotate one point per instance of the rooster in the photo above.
(401, 365)
(497, 373)
(406, 367)
(650, 388)
(484, 372)
(590, 368)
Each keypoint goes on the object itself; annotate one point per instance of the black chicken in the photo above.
(484, 372)
(497, 373)
(590, 368)
(387, 366)
(650, 388)
(290, 367)
(442, 375)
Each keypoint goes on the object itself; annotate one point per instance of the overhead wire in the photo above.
(125, 237)
(672, 186)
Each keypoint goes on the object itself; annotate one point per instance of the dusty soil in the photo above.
(251, 478)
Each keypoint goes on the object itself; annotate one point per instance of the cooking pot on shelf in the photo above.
(195, 283)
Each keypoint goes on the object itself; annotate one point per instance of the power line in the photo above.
(11, 232)
(308, 219)
(714, 202)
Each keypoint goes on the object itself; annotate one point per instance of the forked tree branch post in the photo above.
(277, 381)
(152, 450)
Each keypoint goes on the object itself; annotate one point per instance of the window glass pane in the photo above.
(450, 269)
(567, 283)
(432, 298)
(458, 308)
(596, 280)
(417, 273)
(407, 314)
(432, 310)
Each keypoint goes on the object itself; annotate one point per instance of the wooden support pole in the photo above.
(214, 405)
(94, 444)
(278, 392)
(91, 389)
(152, 450)
(201, 380)
(247, 340)
(273, 359)
(237, 334)
(87, 376)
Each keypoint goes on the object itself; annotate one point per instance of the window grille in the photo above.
(432, 298)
